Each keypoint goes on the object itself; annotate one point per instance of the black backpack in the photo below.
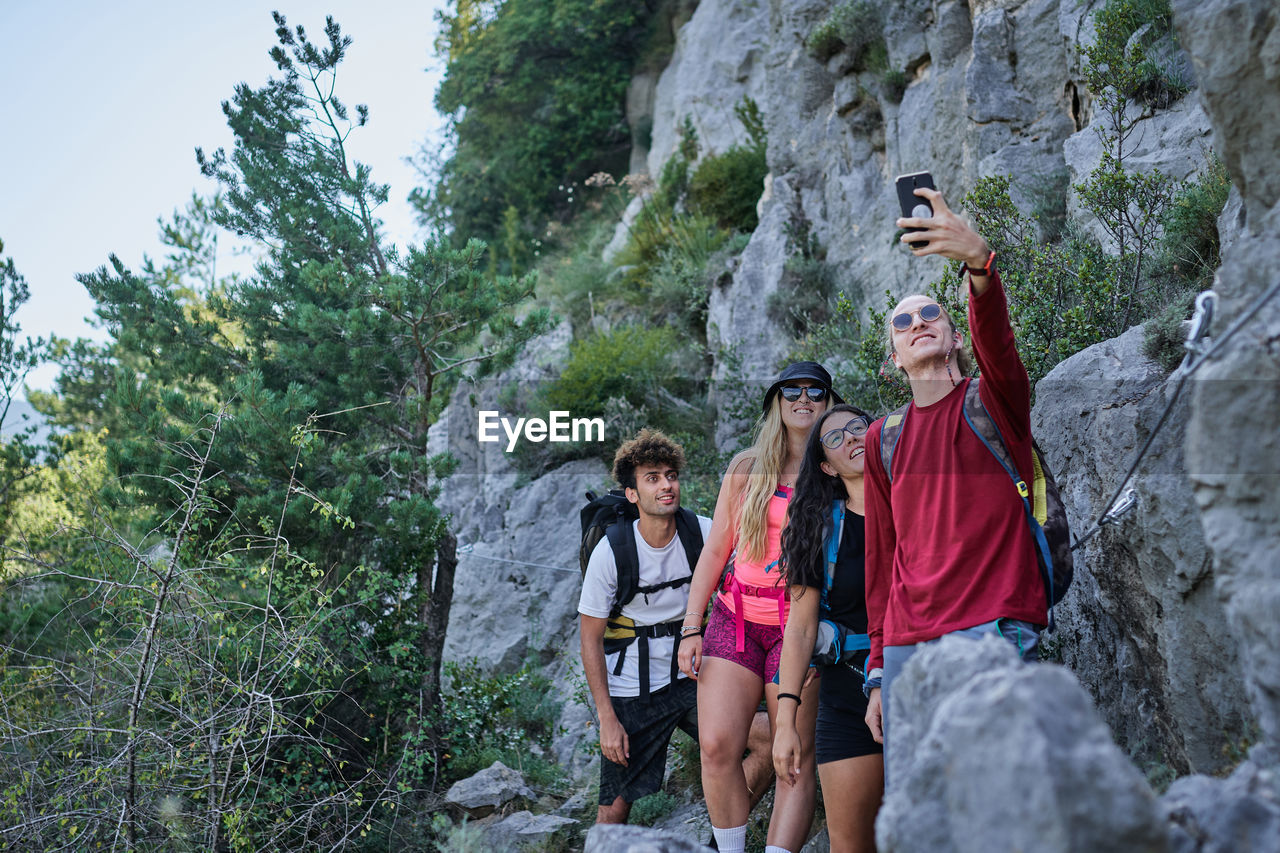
(1046, 516)
(611, 515)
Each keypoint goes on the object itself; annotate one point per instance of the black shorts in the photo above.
(842, 710)
(649, 727)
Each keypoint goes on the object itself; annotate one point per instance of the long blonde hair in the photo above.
(769, 452)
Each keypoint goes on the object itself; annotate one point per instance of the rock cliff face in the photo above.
(1171, 625)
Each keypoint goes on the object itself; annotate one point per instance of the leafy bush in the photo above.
(855, 25)
(895, 85)
(1191, 241)
(727, 186)
(630, 363)
(1163, 335)
(803, 297)
(535, 93)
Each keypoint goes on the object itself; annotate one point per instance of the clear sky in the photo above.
(105, 103)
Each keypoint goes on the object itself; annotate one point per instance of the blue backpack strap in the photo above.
(988, 432)
(833, 548)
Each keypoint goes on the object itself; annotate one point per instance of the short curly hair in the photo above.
(649, 447)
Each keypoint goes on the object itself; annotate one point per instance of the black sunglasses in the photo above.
(857, 426)
(815, 393)
(928, 313)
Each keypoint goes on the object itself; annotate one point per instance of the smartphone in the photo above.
(912, 204)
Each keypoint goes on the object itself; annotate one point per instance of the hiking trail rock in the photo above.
(1143, 625)
(621, 838)
(491, 788)
(997, 755)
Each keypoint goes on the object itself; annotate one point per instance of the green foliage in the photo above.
(1191, 242)
(727, 186)
(630, 363)
(895, 85)
(323, 567)
(647, 811)
(534, 91)
(803, 297)
(852, 344)
(853, 25)
(499, 718)
(1062, 296)
(1129, 205)
(1119, 61)
(1163, 335)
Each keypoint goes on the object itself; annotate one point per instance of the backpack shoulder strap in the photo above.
(984, 427)
(690, 533)
(890, 432)
(622, 539)
(833, 548)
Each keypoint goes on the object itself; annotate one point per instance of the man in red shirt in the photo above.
(948, 546)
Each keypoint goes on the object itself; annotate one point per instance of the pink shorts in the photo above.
(762, 651)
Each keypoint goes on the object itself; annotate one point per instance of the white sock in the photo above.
(733, 840)
(773, 848)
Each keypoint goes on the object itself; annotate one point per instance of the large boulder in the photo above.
(524, 827)
(1143, 625)
(1232, 444)
(1239, 814)
(987, 754)
(491, 788)
(622, 838)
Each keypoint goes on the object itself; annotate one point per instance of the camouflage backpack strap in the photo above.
(890, 432)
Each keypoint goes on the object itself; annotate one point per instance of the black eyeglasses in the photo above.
(928, 313)
(815, 393)
(856, 427)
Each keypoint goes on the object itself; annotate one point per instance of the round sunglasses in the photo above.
(791, 393)
(856, 427)
(928, 313)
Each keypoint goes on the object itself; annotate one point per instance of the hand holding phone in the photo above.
(912, 204)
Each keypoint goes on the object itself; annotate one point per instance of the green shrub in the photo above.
(1191, 243)
(491, 718)
(855, 25)
(629, 363)
(727, 186)
(647, 811)
(1163, 335)
(895, 85)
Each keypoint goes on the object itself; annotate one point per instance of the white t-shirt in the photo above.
(657, 565)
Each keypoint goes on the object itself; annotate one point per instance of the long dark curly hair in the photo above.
(809, 521)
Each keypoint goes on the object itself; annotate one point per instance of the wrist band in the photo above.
(782, 696)
(697, 633)
(984, 270)
(689, 629)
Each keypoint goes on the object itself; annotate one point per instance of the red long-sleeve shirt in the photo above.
(947, 542)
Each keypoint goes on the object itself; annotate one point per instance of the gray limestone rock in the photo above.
(1239, 86)
(621, 838)
(1239, 814)
(524, 827)
(489, 789)
(1232, 445)
(715, 64)
(1006, 756)
(1142, 626)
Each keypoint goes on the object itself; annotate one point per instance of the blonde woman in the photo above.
(736, 660)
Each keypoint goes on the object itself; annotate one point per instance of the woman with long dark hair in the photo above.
(736, 662)
(823, 562)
